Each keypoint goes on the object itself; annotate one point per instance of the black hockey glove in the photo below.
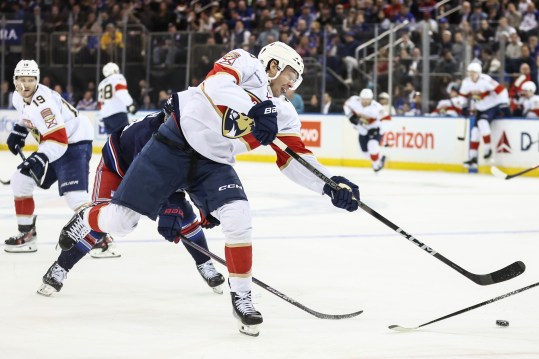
(35, 166)
(132, 109)
(264, 115)
(353, 119)
(17, 138)
(170, 218)
(209, 221)
(343, 198)
(168, 107)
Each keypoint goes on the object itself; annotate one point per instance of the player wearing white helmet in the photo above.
(114, 100)
(490, 100)
(237, 108)
(63, 154)
(369, 118)
(529, 100)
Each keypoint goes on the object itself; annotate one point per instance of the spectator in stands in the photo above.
(458, 48)
(533, 44)
(246, 14)
(383, 99)
(55, 20)
(490, 64)
(111, 43)
(446, 64)
(79, 45)
(307, 15)
(338, 16)
(268, 31)
(485, 35)
(288, 21)
(406, 43)
(298, 31)
(296, 99)
(147, 103)
(529, 22)
(516, 88)
(513, 53)
(347, 52)
(383, 22)
(503, 29)
(477, 16)
(513, 17)
(6, 96)
(87, 102)
(464, 13)
(241, 35)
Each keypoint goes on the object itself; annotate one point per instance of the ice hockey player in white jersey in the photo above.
(114, 100)
(529, 100)
(367, 115)
(238, 107)
(490, 99)
(451, 107)
(64, 150)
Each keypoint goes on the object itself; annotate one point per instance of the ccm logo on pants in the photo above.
(230, 186)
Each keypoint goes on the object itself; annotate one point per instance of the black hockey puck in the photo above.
(502, 323)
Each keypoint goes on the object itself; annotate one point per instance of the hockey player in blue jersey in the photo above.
(176, 215)
(238, 107)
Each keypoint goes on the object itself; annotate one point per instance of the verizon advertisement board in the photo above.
(409, 142)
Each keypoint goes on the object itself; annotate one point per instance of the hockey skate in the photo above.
(52, 280)
(382, 164)
(25, 241)
(106, 248)
(211, 276)
(472, 162)
(73, 232)
(248, 317)
(487, 154)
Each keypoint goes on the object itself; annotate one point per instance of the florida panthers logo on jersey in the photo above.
(236, 124)
(229, 58)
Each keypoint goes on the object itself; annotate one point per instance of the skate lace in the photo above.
(77, 229)
(243, 303)
(207, 270)
(58, 273)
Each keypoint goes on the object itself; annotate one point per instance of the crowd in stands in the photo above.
(501, 35)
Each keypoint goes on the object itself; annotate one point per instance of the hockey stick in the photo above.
(498, 276)
(271, 289)
(500, 174)
(36, 180)
(465, 123)
(399, 328)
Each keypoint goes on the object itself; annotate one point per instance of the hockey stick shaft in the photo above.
(271, 289)
(501, 275)
(34, 177)
(521, 172)
(503, 296)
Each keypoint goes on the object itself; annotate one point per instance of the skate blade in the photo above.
(98, 253)
(218, 289)
(46, 290)
(250, 330)
(22, 248)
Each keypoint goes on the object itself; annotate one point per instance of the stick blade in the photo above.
(498, 173)
(401, 329)
(511, 271)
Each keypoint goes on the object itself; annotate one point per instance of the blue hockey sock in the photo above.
(68, 259)
(197, 236)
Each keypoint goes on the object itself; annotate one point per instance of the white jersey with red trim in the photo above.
(369, 116)
(530, 106)
(113, 96)
(215, 123)
(486, 92)
(52, 121)
(450, 107)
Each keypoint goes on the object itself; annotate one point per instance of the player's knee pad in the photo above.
(76, 199)
(474, 135)
(117, 220)
(21, 185)
(235, 218)
(373, 146)
(484, 127)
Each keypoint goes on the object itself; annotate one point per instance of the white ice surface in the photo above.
(151, 302)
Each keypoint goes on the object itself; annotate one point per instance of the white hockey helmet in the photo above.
(474, 67)
(26, 68)
(366, 94)
(529, 87)
(110, 69)
(285, 56)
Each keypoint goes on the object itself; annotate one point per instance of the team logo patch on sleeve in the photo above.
(229, 58)
(48, 117)
(236, 124)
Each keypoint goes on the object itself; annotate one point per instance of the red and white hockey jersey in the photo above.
(530, 106)
(486, 92)
(370, 116)
(450, 107)
(113, 96)
(52, 121)
(215, 123)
